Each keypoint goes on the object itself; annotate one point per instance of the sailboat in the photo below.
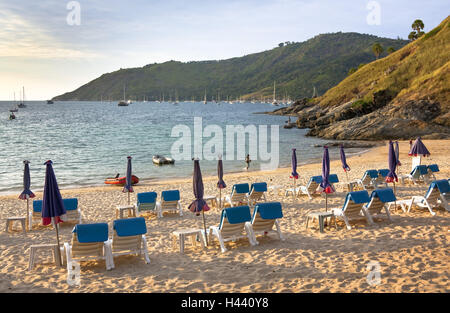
(315, 94)
(22, 104)
(274, 102)
(123, 103)
(204, 99)
(14, 108)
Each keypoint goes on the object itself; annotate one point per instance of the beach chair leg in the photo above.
(145, 250)
(280, 235)
(346, 222)
(68, 250)
(368, 216)
(250, 234)
(180, 209)
(109, 258)
(307, 220)
(427, 204)
(221, 242)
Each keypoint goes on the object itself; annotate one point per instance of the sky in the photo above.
(55, 46)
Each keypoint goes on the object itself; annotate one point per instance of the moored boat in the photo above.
(159, 159)
(121, 180)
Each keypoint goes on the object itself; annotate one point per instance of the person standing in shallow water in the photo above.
(247, 160)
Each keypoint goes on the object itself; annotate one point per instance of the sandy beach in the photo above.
(412, 250)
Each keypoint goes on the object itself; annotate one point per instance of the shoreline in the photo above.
(410, 248)
(188, 179)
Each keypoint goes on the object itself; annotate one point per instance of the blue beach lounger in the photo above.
(381, 179)
(73, 212)
(369, 179)
(438, 194)
(265, 216)
(146, 202)
(89, 242)
(379, 200)
(417, 176)
(232, 226)
(238, 195)
(170, 201)
(353, 207)
(432, 168)
(257, 193)
(129, 237)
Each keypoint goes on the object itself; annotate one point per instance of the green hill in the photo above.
(401, 96)
(297, 68)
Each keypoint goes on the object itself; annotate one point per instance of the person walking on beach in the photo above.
(247, 160)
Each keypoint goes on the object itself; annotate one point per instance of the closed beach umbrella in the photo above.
(220, 184)
(198, 205)
(344, 161)
(128, 184)
(418, 148)
(391, 177)
(294, 173)
(53, 210)
(26, 193)
(397, 154)
(325, 185)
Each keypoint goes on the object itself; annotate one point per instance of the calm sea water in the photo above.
(89, 141)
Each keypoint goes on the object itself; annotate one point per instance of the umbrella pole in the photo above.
(220, 198)
(204, 226)
(395, 202)
(293, 192)
(58, 252)
(346, 173)
(128, 198)
(326, 202)
(28, 213)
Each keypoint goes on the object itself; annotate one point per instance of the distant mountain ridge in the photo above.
(320, 62)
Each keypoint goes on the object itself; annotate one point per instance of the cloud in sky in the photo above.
(35, 38)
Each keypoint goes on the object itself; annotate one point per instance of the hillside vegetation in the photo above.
(297, 68)
(403, 95)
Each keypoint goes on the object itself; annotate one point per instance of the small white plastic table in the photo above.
(121, 208)
(35, 248)
(10, 220)
(181, 234)
(321, 216)
(211, 199)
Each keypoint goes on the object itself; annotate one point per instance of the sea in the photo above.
(89, 141)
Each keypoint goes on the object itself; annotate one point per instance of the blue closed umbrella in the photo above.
(220, 184)
(128, 184)
(344, 161)
(26, 193)
(53, 210)
(418, 148)
(198, 205)
(392, 160)
(325, 186)
(294, 173)
(391, 177)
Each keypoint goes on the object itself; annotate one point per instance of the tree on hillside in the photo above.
(281, 44)
(377, 49)
(390, 50)
(417, 27)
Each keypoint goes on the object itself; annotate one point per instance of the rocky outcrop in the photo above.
(374, 120)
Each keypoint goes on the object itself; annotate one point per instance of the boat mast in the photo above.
(274, 94)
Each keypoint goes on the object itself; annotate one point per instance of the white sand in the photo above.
(412, 251)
